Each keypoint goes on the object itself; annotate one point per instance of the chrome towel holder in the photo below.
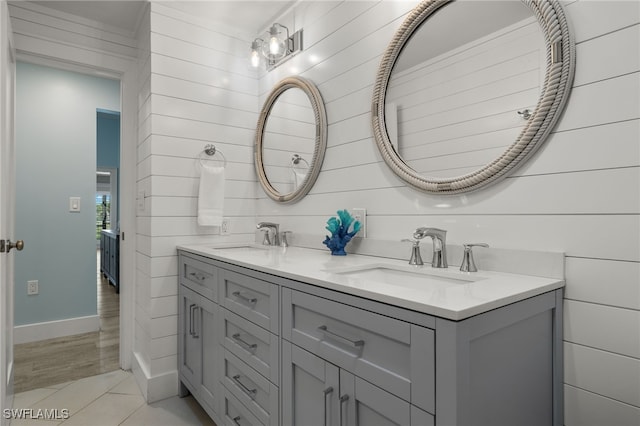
(296, 159)
(210, 150)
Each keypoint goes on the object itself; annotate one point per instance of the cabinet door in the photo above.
(112, 257)
(189, 351)
(309, 390)
(362, 403)
(105, 255)
(207, 329)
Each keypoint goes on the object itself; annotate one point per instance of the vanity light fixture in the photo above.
(275, 49)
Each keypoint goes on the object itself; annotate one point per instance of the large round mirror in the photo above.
(467, 90)
(291, 139)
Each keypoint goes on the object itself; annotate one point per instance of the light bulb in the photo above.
(255, 55)
(275, 45)
(255, 58)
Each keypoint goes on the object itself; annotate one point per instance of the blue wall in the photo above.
(108, 135)
(55, 160)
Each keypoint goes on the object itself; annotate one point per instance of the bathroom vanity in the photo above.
(294, 336)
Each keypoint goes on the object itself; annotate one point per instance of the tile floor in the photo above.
(108, 399)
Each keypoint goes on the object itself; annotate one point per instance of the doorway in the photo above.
(56, 186)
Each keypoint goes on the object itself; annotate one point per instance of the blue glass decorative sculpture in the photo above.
(340, 234)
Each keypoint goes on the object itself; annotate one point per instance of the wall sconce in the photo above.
(276, 49)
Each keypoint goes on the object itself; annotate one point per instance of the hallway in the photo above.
(54, 361)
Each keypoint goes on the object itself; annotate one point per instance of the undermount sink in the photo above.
(406, 275)
(240, 246)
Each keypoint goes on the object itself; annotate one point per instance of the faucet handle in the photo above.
(416, 258)
(414, 242)
(266, 241)
(284, 242)
(468, 264)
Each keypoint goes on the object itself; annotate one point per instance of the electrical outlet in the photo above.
(224, 228)
(32, 287)
(361, 216)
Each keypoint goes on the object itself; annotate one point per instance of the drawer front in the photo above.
(374, 347)
(255, 392)
(251, 298)
(199, 277)
(236, 414)
(252, 344)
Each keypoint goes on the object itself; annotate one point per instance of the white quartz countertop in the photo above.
(446, 293)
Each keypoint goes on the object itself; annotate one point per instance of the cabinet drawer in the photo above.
(389, 353)
(252, 344)
(251, 298)
(255, 392)
(199, 276)
(236, 414)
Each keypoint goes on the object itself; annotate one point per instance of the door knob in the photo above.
(8, 245)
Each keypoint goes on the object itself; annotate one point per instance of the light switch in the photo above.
(74, 204)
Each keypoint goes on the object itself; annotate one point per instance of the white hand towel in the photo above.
(298, 177)
(211, 196)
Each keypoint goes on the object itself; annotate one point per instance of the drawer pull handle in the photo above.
(241, 296)
(250, 392)
(248, 346)
(192, 320)
(344, 398)
(354, 343)
(236, 420)
(325, 392)
(198, 276)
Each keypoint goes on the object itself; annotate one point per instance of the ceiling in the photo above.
(251, 16)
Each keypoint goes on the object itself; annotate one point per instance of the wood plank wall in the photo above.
(579, 194)
(196, 88)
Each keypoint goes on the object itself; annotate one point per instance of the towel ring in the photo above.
(210, 150)
(296, 159)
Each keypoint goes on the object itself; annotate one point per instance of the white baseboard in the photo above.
(52, 329)
(157, 387)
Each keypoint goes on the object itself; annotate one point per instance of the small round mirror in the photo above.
(291, 139)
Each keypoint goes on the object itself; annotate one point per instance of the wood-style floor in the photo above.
(53, 361)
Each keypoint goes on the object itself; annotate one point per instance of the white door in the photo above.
(7, 202)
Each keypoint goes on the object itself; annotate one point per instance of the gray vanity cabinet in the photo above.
(260, 349)
(199, 352)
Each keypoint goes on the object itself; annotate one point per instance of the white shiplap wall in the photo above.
(195, 88)
(579, 194)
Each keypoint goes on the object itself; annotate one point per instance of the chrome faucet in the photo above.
(275, 241)
(439, 237)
